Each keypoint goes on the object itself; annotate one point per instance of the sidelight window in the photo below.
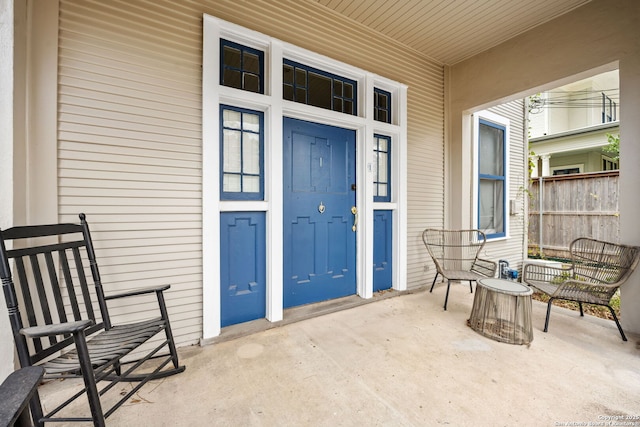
(241, 154)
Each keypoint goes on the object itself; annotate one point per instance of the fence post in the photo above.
(540, 207)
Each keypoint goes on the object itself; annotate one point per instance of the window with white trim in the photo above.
(492, 178)
(241, 67)
(382, 159)
(307, 85)
(381, 105)
(241, 154)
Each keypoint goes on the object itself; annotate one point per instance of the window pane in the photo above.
(231, 151)
(250, 184)
(348, 90)
(232, 78)
(337, 104)
(251, 153)
(231, 119)
(288, 93)
(382, 116)
(491, 156)
(301, 95)
(231, 57)
(337, 87)
(301, 77)
(319, 91)
(251, 83)
(287, 74)
(382, 190)
(382, 101)
(382, 167)
(382, 144)
(251, 63)
(491, 206)
(231, 183)
(251, 122)
(348, 107)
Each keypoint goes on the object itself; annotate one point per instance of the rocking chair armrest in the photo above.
(15, 393)
(138, 292)
(56, 329)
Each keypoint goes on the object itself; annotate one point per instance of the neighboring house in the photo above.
(569, 126)
(261, 155)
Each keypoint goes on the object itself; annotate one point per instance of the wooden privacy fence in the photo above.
(572, 206)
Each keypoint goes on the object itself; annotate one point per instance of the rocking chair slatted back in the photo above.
(44, 273)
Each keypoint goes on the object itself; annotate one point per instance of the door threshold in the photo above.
(303, 312)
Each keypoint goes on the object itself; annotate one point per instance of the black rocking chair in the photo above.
(60, 321)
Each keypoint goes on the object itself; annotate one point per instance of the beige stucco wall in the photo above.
(589, 40)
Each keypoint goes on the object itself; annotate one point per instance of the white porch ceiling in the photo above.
(450, 31)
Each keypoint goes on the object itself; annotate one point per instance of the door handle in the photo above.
(354, 211)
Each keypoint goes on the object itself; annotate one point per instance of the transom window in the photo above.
(491, 178)
(241, 67)
(241, 154)
(382, 158)
(381, 105)
(312, 86)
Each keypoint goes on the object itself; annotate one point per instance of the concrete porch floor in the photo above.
(399, 361)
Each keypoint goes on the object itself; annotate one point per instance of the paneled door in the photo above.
(320, 215)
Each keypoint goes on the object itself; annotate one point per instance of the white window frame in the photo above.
(500, 121)
(275, 108)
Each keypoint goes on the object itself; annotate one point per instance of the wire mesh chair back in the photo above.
(602, 262)
(454, 249)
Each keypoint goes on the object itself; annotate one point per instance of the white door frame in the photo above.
(275, 108)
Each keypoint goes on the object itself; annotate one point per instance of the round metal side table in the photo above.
(502, 311)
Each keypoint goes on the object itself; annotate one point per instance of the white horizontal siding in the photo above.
(129, 149)
(129, 131)
(512, 249)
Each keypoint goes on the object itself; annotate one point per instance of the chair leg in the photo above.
(581, 311)
(546, 321)
(446, 297)
(89, 379)
(36, 410)
(624, 338)
(434, 282)
(167, 330)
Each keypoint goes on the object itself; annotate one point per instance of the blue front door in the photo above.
(319, 195)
